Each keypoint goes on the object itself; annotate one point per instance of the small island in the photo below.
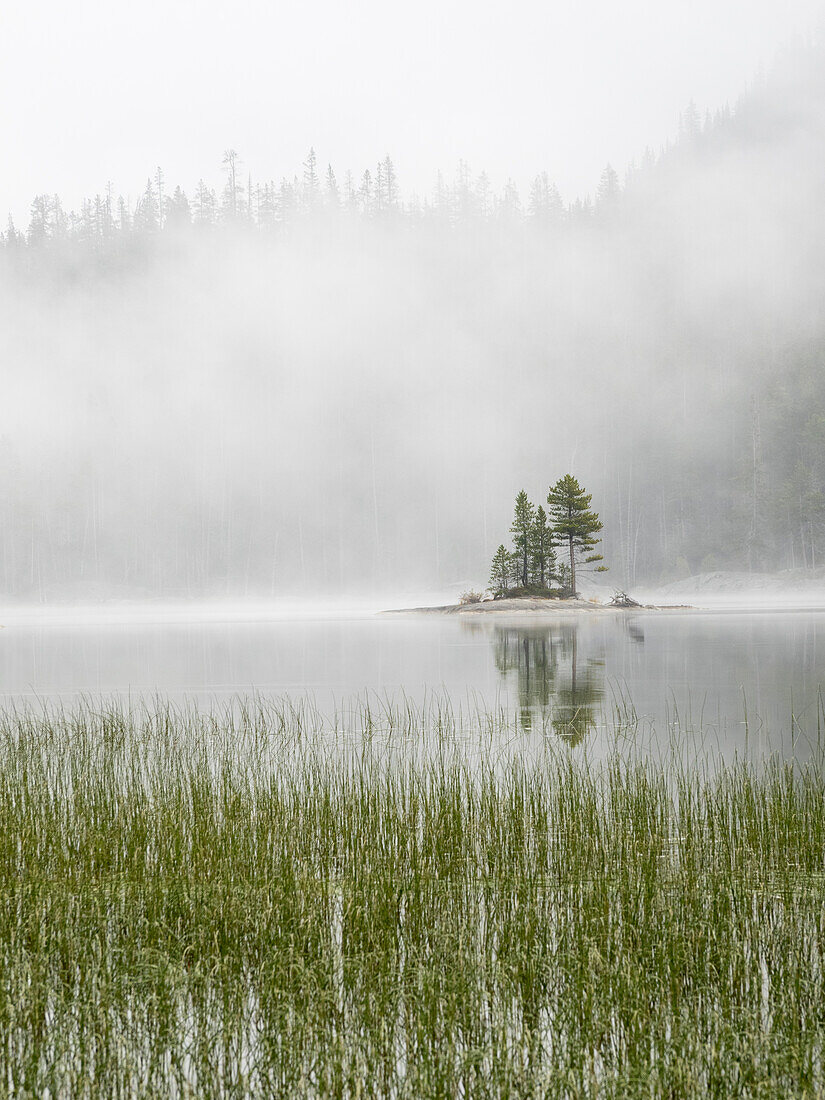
(530, 576)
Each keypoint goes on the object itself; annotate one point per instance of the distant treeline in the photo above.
(317, 191)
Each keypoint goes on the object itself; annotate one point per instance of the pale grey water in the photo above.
(569, 677)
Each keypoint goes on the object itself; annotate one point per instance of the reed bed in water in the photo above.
(243, 905)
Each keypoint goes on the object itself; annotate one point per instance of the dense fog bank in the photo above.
(344, 391)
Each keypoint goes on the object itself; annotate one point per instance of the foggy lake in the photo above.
(701, 671)
(510, 317)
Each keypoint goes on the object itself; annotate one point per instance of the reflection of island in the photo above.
(552, 679)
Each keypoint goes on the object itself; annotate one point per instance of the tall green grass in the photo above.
(260, 904)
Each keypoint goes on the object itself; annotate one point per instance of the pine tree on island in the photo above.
(543, 559)
(522, 530)
(500, 571)
(530, 567)
(574, 524)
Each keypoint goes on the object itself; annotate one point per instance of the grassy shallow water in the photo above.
(255, 904)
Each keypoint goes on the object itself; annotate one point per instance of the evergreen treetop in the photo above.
(574, 523)
(500, 571)
(521, 530)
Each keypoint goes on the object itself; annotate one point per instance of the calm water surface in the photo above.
(707, 670)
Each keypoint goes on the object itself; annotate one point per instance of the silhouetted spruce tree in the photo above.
(332, 196)
(545, 205)
(287, 199)
(40, 224)
(573, 524)
(350, 193)
(484, 196)
(509, 205)
(500, 571)
(267, 206)
(521, 530)
(206, 204)
(159, 182)
(124, 218)
(146, 214)
(311, 190)
(365, 194)
(178, 212)
(390, 185)
(251, 200)
(542, 558)
(608, 191)
(11, 237)
(103, 215)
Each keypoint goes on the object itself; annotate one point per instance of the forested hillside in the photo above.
(184, 407)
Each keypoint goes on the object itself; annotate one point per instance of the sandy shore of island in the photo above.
(529, 605)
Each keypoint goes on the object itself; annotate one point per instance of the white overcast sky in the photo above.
(96, 91)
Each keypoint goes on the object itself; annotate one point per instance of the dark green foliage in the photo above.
(564, 579)
(533, 589)
(531, 566)
(522, 532)
(528, 568)
(542, 557)
(500, 571)
(574, 525)
(525, 570)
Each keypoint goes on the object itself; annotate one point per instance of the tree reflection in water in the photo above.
(556, 683)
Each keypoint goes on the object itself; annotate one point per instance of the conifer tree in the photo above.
(483, 195)
(287, 199)
(124, 218)
(542, 558)
(608, 191)
(379, 187)
(159, 181)
(206, 204)
(573, 524)
(146, 213)
(545, 205)
(332, 196)
(350, 193)
(365, 194)
(311, 190)
(233, 190)
(390, 184)
(252, 194)
(178, 211)
(509, 206)
(500, 571)
(267, 205)
(521, 530)
(12, 237)
(40, 224)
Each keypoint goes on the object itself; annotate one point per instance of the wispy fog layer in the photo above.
(346, 398)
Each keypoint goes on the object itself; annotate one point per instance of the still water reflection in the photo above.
(551, 677)
(732, 675)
